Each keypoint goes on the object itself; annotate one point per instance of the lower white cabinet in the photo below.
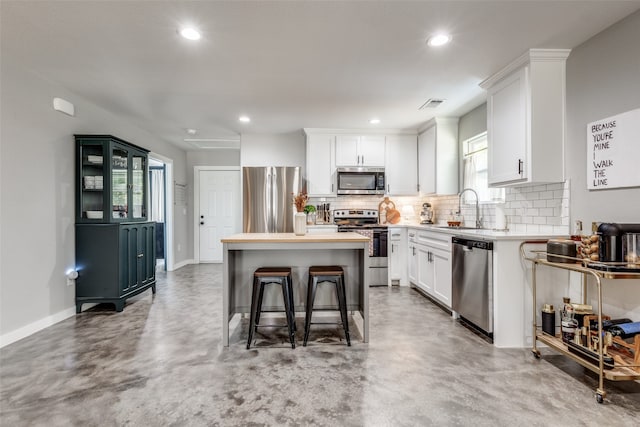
(425, 269)
(430, 264)
(412, 258)
(397, 253)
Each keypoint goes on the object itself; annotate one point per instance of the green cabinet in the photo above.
(112, 180)
(114, 262)
(115, 244)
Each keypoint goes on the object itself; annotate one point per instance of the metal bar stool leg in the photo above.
(342, 302)
(254, 308)
(286, 296)
(311, 296)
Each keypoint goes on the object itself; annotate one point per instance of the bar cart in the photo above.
(622, 364)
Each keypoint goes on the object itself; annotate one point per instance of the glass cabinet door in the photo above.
(119, 183)
(138, 178)
(91, 186)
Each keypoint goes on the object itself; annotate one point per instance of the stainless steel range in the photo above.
(365, 222)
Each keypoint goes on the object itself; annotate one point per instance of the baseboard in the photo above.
(182, 264)
(32, 328)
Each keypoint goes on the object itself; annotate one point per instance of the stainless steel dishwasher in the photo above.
(472, 277)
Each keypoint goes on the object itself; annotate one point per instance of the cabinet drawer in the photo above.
(436, 240)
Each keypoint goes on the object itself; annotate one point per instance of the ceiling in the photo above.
(288, 65)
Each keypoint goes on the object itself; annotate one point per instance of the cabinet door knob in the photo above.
(202, 216)
(520, 164)
(140, 255)
(201, 222)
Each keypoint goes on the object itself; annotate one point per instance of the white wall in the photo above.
(38, 195)
(217, 157)
(284, 149)
(473, 123)
(603, 79)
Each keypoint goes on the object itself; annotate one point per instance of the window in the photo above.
(475, 174)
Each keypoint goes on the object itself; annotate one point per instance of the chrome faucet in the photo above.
(478, 219)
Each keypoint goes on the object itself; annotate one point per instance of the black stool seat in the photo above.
(332, 274)
(272, 275)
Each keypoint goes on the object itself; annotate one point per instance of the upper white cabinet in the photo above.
(320, 165)
(526, 119)
(438, 157)
(352, 150)
(401, 167)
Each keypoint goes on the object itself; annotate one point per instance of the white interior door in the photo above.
(219, 211)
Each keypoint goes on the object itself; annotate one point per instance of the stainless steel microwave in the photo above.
(360, 181)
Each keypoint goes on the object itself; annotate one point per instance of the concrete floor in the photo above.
(160, 362)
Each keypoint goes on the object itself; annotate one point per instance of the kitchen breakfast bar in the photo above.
(244, 253)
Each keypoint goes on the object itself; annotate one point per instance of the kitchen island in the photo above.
(244, 253)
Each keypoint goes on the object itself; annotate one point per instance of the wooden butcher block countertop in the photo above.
(292, 238)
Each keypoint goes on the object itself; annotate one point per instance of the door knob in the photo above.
(202, 216)
(201, 222)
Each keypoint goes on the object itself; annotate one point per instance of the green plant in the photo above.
(309, 209)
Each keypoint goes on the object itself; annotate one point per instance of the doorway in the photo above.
(161, 208)
(216, 209)
(157, 207)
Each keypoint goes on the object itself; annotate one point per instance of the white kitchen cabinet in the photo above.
(438, 157)
(433, 265)
(526, 119)
(441, 262)
(412, 258)
(320, 165)
(397, 253)
(401, 167)
(356, 150)
(425, 269)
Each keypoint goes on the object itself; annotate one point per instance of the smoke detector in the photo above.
(431, 103)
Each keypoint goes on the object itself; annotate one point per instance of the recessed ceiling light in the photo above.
(190, 33)
(244, 119)
(439, 40)
(374, 121)
(192, 131)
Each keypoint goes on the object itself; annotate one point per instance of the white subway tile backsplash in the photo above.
(548, 229)
(539, 220)
(531, 228)
(546, 194)
(535, 208)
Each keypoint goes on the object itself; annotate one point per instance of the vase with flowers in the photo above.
(300, 217)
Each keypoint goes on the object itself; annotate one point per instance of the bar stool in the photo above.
(272, 275)
(332, 274)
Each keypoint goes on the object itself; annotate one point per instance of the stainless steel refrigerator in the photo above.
(268, 198)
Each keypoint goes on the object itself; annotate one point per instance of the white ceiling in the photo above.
(288, 65)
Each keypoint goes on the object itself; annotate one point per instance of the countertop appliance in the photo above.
(610, 237)
(426, 215)
(472, 283)
(268, 198)
(365, 222)
(360, 181)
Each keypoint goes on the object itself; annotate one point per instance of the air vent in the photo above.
(431, 103)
